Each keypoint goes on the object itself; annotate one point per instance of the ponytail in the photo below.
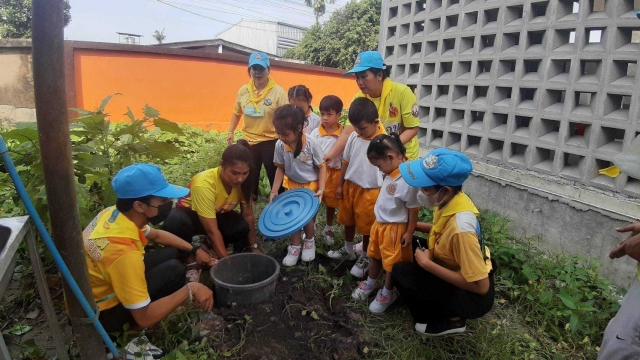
(291, 118)
(381, 145)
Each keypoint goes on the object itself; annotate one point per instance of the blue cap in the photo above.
(638, 14)
(140, 180)
(365, 61)
(440, 167)
(259, 58)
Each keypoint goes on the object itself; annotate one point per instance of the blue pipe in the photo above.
(52, 247)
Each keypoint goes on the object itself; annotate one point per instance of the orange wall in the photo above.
(197, 91)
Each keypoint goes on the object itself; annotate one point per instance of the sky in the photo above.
(99, 20)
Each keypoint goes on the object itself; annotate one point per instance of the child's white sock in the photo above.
(349, 247)
(312, 239)
(386, 292)
(371, 282)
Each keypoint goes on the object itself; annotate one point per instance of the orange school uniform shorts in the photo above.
(385, 244)
(313, 185)
(329, 197)
(356, 207)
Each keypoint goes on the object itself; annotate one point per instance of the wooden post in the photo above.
(55, 150)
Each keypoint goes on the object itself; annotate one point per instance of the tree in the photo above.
(159, 36)
(349, 30)
(15, 18)
(319, 7)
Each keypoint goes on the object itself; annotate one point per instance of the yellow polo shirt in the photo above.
(457, 248)
(208, 196)
(259, 129)
(400, 109)
(114, 248)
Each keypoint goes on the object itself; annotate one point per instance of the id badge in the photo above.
(252, 111)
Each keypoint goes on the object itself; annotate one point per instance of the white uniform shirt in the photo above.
(326, 142)
(360, 170)
(313, 122)
(304, 168)
(395, 200)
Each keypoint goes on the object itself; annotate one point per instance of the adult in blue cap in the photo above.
(129, 285)
(452, 279)
(257, 102)
(396, 103)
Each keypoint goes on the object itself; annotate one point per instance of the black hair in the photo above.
(292, 118)
(382, 144)
(125, 205)
(362, 109)
(331, 102)
(384, 72)
(300, 91)
(240, 152)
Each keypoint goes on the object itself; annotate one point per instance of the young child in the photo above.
(300, 158)
(301, 97)
(326, 135)
(396, 218)
(359, 183)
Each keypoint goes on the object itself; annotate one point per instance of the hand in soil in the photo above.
(204, 259)
(203, 297)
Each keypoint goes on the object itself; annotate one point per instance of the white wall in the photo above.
(253, 34)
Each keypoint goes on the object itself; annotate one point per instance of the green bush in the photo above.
(99, 149)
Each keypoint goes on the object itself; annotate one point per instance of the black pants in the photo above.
(164, 274)
(431, 299)
(263, 155)
(185, 223)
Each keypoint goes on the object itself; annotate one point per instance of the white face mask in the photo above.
(430, 200)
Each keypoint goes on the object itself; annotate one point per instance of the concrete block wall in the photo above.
(549, 86)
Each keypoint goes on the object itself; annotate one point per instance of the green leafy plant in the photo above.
(100, 148)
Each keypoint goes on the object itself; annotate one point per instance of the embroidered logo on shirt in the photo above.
(267, 102)
(430, 162)
(391, 189)
(414, 110)
(393, 110)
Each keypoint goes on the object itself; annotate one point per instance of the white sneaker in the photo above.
(382, 302)
(328, 237)
(361, 267)
(141, 349)
(341, 254)
(293, 255)
(358, 248)
(309, 250)
(363, 291)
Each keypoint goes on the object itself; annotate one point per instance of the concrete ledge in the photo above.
(575, 194)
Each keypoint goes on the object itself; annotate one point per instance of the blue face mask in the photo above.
(252, 111)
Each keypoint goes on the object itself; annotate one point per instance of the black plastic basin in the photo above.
(245, 279)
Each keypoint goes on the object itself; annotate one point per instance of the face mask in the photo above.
(163, 212)
(429, 201)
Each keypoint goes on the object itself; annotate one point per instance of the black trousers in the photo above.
(164, 274)
(431, 299)
(185, 223)
(263, 155)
